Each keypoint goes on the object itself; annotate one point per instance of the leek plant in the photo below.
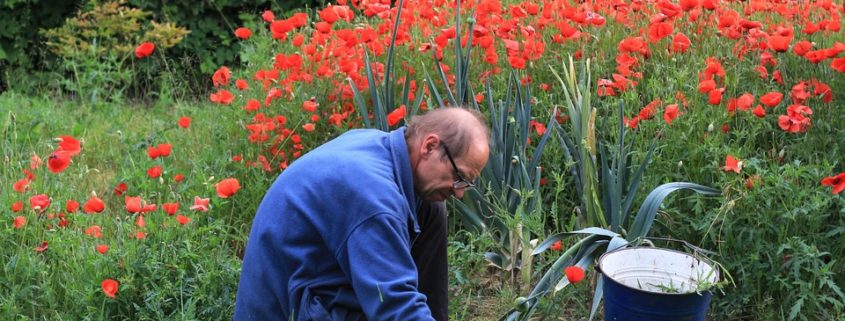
(607, 184)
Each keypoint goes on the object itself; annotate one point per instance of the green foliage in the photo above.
(212, 23)
(97, 45)
(21, 46)
(176, 273)
(606, 189)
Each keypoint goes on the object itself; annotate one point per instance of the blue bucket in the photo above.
(653, 284)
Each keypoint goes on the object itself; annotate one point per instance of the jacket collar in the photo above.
(404, 172)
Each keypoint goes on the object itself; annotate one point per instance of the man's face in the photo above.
(436, 177)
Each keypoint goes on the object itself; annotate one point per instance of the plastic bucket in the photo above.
(654, 284)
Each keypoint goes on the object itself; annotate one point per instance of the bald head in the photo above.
(447, 147)
(458, 128)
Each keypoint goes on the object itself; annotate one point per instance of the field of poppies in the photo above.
(140, 210)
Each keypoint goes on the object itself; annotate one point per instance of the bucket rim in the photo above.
(602, 257)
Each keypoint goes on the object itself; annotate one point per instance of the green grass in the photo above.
(177, 272)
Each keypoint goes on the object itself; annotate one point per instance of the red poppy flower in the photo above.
(133, 204)
(154, 172)
(308, 127)
(714, 97)
(706, 86)
(745, 101)
(796, 119)
(539, 128)
(21, 185)
(837, 182)
(556, 246)
(680, 43)
(759, 111)
(94, 231)
(68, 146)
(19, 222)
(396, 115)
(688, 5)
(771, 99)
(184, 122)
(228, 187)
(516, 62)
(574, 274)
(109, 287)
(801, 48)
(838, 64)
(39, 202)
(58, 162)
(222, 96)
(200, 204)
(71, 206)
(164, 150)
(659, 30)
(297, 40)
(243, 33)
(178, 178)
(102, 248)
(94, 205)
(221, 76)
(310, 105)
(779, 43)
(153, 152)
(144, 50)
(34, 162)
(141, 235)
(671, 113)
(252, 105)
(268, 16)
(17, 206)
(732, 164)
(280, 29)
(170, 208)
(140, 222)
(241, 84)
(120, 188)
(182, 219)
(41, 248)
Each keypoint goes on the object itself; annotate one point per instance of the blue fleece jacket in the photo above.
(331, 239)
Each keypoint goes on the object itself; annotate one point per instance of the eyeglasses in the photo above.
(461, 182)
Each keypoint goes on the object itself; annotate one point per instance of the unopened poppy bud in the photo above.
(522, 304)
(710, 128)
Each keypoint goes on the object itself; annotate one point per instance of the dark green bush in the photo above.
(20, 43)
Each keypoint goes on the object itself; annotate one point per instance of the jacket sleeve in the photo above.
(377, 259)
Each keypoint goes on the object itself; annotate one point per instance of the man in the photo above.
(349, 229)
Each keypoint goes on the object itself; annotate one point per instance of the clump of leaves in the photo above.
(96, 48)
(110, 28)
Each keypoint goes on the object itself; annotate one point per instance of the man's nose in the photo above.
(458, 192)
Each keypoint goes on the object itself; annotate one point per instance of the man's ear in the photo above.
(429, 144)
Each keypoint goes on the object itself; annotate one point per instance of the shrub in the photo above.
(96, 45)
(21, 50)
